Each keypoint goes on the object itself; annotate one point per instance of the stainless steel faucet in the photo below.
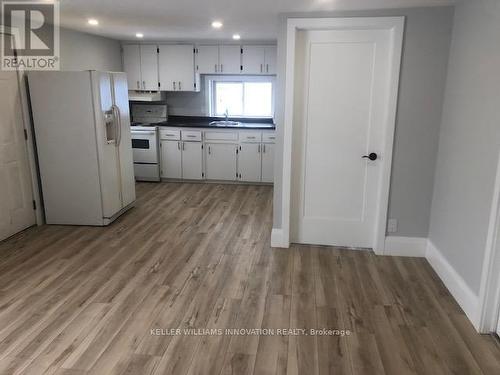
(226, 114)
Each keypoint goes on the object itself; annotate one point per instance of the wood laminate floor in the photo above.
(80, 300)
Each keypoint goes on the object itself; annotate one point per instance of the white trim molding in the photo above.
(405, 246)
(456, 285)
(277, 239)
(396, 26)
(489, 292)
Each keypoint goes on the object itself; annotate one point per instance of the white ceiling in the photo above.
(191, 19)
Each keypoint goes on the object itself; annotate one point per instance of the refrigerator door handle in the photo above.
(118, 124)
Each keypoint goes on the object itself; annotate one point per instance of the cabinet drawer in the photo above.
(221, 136)
(269, 137)
(191, 135)
(250, 137)
(174, 135)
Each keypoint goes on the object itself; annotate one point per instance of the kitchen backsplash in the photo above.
(187, 103)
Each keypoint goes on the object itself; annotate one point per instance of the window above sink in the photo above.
(240, 96)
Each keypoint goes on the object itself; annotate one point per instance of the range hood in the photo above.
(141, 96)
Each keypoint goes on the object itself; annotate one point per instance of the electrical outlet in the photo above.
(392, 226)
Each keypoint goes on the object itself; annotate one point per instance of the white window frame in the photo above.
(210, 87)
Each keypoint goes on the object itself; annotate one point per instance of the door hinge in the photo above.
(159, 84)
(34, 205)
(241, 50)
(195, 86)
(241, 67)
(202, 174)
(25, 134)
(236, 150)
(202, 146)
(157, 49)
(194, 50)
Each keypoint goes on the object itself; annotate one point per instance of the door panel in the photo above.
(220, 161)
(207, 59)
(107, 152)
(125, 155)
(132, 65)
(149, 67)
(270, 58)
(230, 59)
(192, 160)
(176, 67)
(253, 60)
(249, 162)
(345, 86)
(268, 162)
(171, 162)
(16, 207)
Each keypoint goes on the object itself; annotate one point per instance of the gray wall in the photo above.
(80, 51)
(423, 74)
(469, 140)
(187, 103)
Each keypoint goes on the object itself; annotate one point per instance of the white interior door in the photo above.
(342, 100)
(16, 197)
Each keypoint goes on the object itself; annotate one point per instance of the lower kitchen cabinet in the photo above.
(267, 162)
(192, 160)
(220, 161)
(249, 162)
(171, 159)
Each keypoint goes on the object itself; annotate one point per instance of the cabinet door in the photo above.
(192, 160)
(270, 59)
(132, 65)
(252, 60)
(220, 161)
(267, 162)
(176, 67)
(171, 159)
(249, 162)
(207, 59)
(230, 59)
(149, 67)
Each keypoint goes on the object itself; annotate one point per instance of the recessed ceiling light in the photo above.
(236, 37)
(139, 35)
(217, 24)
(93, 22)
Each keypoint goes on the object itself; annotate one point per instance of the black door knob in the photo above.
(372, 156)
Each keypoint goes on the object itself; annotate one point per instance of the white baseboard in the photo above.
(465, 297)
(405, 246)
(277, 238)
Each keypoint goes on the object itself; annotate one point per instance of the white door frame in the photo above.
(396, 26)
(30, 147)
(489, 292)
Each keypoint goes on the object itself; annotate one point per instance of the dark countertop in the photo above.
(204, 122)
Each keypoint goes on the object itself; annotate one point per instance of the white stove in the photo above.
(145, 143)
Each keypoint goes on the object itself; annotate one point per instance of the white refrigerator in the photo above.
(81, 123)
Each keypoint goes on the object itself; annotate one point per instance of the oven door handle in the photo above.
(141, 132)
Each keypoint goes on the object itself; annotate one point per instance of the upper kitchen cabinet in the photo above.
(229, 59)
(207, 59)
(259, 60)
(140, 62)
(176, 67)
(270, 58)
